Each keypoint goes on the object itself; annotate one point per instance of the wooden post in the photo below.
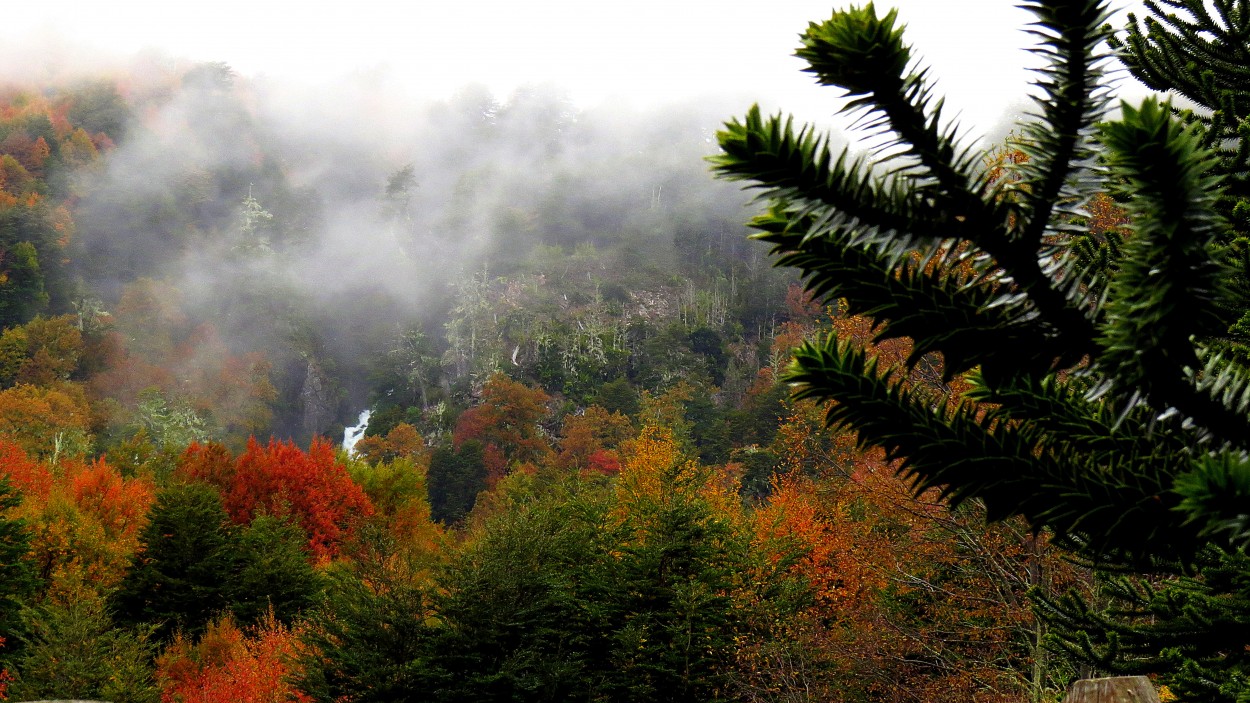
(1117, 689)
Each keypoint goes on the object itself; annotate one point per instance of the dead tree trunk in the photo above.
(1117, 689)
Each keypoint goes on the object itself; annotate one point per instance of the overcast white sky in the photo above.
(644, 50)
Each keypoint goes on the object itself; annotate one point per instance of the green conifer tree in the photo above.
(179, 579)
(1201, 52)
(1191, 629)
(17, 574)
(1100, 406)
(22, 294)
(195, 565)
(74, 650)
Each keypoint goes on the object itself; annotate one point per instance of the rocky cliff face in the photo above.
(320, 400)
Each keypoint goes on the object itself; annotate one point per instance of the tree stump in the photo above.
(1116, 689)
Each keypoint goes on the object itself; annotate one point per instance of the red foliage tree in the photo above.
(604, 461)
(210, 463)
(312, 488)
(119, 505)
(5, 678)
(33, 479)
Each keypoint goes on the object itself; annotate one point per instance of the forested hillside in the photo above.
(573, 467)
(577, 441)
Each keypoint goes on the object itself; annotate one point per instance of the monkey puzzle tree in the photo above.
(1201, 51)
(1099, 407)
(1191, 629)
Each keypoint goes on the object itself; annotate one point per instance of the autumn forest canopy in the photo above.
(929, 420)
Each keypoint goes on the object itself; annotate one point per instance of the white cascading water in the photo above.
(352, 435)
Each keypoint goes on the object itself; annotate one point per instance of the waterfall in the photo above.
(352, 435)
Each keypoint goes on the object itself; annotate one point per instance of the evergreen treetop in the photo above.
(1200, 51)
(1097, 409)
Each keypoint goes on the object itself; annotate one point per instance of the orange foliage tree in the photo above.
(911, 601)
(46, 421)
(84, 519)
(915, 601)
(393, 471)
(230, 664)
(40, 352)
(507, 424)
(590, 440)
(682, 540)
(403, 441)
